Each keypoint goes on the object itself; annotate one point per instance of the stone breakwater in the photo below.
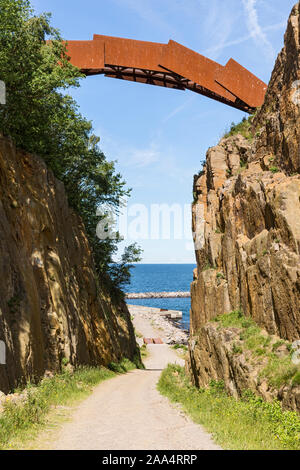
(158, 295)
(169, 331)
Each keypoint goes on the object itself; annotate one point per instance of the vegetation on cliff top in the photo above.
(279, 368)
(246, 424)
(42, 119)
(244, 128)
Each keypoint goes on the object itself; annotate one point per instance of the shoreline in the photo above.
(157, 295)
(171, 333)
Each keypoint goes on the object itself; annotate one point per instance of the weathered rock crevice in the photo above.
(52, 306)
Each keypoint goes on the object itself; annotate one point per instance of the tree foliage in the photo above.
(42, 118)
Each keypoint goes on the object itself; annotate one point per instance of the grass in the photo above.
(220, 276)
(180, 346)
(208, 266)
(122, 367)
(274, 169)
(181, 350)
(296, 379)
(144, 351)
(243, 128)
(22, 421)
(279, 370)
(277, 344)
(236, 349)
(246, 424)
(235, 319)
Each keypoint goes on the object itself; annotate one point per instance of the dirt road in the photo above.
(128, 413)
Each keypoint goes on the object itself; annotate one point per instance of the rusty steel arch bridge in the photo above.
(169, 65)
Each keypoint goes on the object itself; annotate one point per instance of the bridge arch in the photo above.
(168, 65)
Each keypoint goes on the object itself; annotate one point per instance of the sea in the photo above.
(163, 278)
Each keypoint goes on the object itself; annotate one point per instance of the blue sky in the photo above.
(160, 136)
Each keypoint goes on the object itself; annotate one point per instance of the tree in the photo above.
(42, 118)
(120, 272)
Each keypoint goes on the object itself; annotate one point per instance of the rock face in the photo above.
(279, 117)
(51, 305)
(246, 217)
(215, 356)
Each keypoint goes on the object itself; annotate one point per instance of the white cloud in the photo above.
(218, 25)
(141, 158)
(245, 38)
(178, 109)
(255, 30)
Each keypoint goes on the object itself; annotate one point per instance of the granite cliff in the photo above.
(246, 224)
(52, 306)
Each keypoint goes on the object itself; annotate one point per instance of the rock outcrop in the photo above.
(52, 307)
(219, 354)
(278, 121)
(246, 217)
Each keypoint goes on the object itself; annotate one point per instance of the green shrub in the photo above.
(274, 169)
(121, 367)
(42, 119)
(64, 362)
(216, 387)
(180, 346)
(243, 128)
(144, 351)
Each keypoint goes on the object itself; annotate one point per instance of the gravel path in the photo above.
(128, 413)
